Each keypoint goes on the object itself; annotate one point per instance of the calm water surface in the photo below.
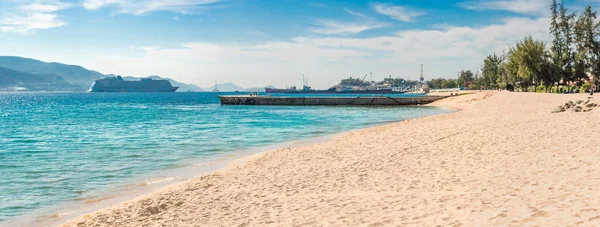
(58, 147)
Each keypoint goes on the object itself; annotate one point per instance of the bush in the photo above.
(502, 85)
(540, 88)
(573, 88)
(585, 87)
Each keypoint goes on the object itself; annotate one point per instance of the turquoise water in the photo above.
(57, 147)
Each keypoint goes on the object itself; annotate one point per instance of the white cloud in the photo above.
(400, 13)
(138, 7)
(331, 27)
(354, 13)
(326, 60)
(31, 16)
(28, 24)
(48, 7)
(518, 6)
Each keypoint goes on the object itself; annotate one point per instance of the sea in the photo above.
(68, 148)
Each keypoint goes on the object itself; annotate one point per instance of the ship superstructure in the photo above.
(117, 84)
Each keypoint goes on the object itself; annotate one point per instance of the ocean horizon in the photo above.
(62, 147)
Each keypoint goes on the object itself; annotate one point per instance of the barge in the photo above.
(327, 101)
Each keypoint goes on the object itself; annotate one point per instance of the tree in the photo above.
(527, 61)
(490, 72)
(557, 66)
(465, 78)
(353, 82)
(442, 83)
(587, 45)
(568, 56)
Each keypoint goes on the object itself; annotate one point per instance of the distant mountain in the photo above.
(182, 86)
(225, 87)
(255, 89)
(73, 74)
(38, 75)
(9, 79)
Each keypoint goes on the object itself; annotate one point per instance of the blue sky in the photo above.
(255, 43)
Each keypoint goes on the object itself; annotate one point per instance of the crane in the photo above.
(363, 79)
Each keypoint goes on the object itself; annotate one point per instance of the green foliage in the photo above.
(585, 87)
(491, 71)
(442, 83)
(354, 82)
(568, 55)
(399, 82)
(541, 88)
(466, 78)
(502, 85)
(573, 54)
(586, 45)
(527, 61)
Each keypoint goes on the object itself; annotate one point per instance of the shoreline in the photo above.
(248, 156)
(503, 160)
(140, 187)
(136, 190)
(498, 141)
(494, 163)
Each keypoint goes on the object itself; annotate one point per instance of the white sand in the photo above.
(503, 160)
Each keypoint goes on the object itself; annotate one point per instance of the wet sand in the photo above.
(505, 159)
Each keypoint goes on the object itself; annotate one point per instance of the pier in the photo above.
(327, 101)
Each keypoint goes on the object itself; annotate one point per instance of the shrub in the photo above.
(585, 87)
(540, 88)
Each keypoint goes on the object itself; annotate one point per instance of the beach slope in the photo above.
(505, 159)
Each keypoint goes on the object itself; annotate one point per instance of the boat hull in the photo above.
(117, 84)
(327, 101)
(173, 89)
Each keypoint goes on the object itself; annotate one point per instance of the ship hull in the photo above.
(173, 89)
(380, 91)
(119, 85)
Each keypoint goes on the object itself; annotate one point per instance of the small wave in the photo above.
(97, 200)
(204, 164)
(156, 180)
(57, 214)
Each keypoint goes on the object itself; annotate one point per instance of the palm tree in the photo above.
(527, 61)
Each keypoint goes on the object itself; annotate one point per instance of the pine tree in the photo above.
(556, 70)
(568, 56)
(587, 45)
(490, 70)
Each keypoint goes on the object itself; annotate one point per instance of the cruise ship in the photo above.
(117, 84)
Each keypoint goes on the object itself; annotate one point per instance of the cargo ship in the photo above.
(338, 89)
(308, 90)
(117, 84)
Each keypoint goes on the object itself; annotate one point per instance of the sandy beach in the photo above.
(503, 160)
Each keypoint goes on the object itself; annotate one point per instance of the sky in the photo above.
(255, 43)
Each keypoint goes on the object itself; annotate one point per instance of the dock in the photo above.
(327, 101)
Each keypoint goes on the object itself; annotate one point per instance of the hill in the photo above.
(225, 87)
(31, 73)
(255, 89)
(183, 87)
(72, 74)
(10, 78)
